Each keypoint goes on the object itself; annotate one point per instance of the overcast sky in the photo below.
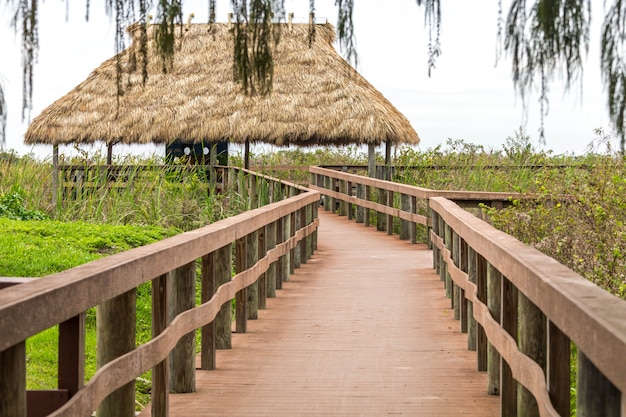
(467, 96)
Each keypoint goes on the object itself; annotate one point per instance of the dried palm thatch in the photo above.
(317, 97)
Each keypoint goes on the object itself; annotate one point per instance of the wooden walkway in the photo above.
(362, 329)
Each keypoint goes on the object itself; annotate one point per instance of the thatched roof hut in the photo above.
(317, 98)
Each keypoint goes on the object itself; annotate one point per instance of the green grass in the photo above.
(38, 248)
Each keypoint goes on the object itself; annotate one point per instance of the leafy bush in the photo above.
(13, 206)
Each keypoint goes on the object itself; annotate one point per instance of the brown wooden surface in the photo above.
(363, 328)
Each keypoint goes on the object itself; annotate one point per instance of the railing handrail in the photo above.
(415, 191)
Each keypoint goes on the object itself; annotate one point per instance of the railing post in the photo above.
(71, 374)
(389, 221)
(209, 285)
(13, 381)
(405, 205)
(342, 203)
(315, 208)
(271, 272)
(182, 297)
(115, 324)
(448, 279)
(333, 203)
(160, 372)
(366, 214)
(558, 372)
(413, 225)
(262, 290)
(532, 342)
(348, 204)
(327, 199)
(360, 211)
(223, 274)
(382, 199)
(595, 394)
(463, 265)
(494, 284)
(241, 298)
(252, 256)
(436, 254)
(282, 262)
(294, 225)
(456, 291)
(508, 385)
(471, 323)
(303, 243)
(481, 294)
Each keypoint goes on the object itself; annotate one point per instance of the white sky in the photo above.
(467, 97)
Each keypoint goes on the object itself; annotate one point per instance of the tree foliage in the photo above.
(544, 39)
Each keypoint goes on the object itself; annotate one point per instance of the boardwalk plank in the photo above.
(363, 328)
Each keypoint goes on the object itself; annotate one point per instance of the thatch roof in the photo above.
(317, 98)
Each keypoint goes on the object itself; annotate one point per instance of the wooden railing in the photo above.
(369, 200)
(522, 310)
(268, 243)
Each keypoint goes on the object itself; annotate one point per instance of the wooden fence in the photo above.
(522, 310)
(268, 242)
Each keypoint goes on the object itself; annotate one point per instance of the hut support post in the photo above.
(55, 174)
(388, 160)
(110, 154)
(246, 157)
(371, 160)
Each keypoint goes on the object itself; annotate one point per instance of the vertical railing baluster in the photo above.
(342, 203)
(389, 221)
(71, 375)
(366, 213)
(405, 205)
(241, 298)
(532, 343)
(471, 322)
(463, 265)
(558, 372)
(160, 372)
(282, 261)
(13, 381)
(349, 205)
(208, 287)
(115, 324)
(494, 284)
(327, 199)
(270, 240)
(436, 253)
(315, 208)
(481, 294)
(456, 291)
(252, 255)
(413, 225)
(509, 322)
(595, 394)
(360, 211)
(182, 297)
(262, 243)
(447, 279)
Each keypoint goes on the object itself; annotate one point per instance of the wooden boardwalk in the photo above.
(362, 329)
